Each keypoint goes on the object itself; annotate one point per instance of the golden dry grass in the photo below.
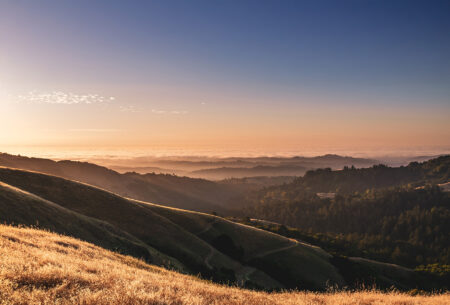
(38, 267)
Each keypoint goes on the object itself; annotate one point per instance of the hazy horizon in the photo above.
(92, 154)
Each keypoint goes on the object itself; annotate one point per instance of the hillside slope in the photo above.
(23, 208)
(161, 228)
(193, 242)
(38, 267)
(180, 192)
(397, 215)
(352, 179)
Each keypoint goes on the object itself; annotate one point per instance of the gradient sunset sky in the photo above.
(260, 75)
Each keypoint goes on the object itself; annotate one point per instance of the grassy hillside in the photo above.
(131, 217)
(38, 267)
(308, 266)
(193, 242)
(161, 228)
(23, 208)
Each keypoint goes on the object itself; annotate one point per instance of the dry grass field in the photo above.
(38, 267)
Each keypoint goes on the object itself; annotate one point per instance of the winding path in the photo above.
(244, 273)
(211, 248)
(208, 227)
(276, 250)
(209, 256)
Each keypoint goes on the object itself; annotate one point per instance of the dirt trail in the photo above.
(277, 250)
(211, 248)
(244, 273)
(209, 256)
(208, 227)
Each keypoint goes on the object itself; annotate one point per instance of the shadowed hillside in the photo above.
(181, 192)
(184, 192)
(20, 207)
(45, 268)
(397, 215)
(352, 179)
(191, 241)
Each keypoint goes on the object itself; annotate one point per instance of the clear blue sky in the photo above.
(372, 56)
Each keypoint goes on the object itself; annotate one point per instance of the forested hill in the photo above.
(403, 226)
(351, 179)
(396, 215)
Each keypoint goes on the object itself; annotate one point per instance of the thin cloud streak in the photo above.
(59, 97)
(130, 108)
(159, 111)
(94, 130)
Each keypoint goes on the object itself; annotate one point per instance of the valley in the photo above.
(228, 246)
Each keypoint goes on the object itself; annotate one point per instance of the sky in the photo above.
(264, 76)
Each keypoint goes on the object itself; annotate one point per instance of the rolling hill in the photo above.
(185, 192)
(170, 190)
(23, 208)
(191, 242)
(352, 179)
(38, 267)
(398, 215)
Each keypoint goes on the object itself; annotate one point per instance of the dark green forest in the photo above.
(397, 215)
(351, 179)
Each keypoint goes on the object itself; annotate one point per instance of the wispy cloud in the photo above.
(59, 97)
(94, 130)
(129, 108)
(158, 111)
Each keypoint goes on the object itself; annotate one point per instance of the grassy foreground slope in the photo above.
(122, 214)
(38, 267)
(23, 208)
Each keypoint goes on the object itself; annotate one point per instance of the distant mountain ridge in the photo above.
(235, 167)
(180, 192)
(257, 171)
